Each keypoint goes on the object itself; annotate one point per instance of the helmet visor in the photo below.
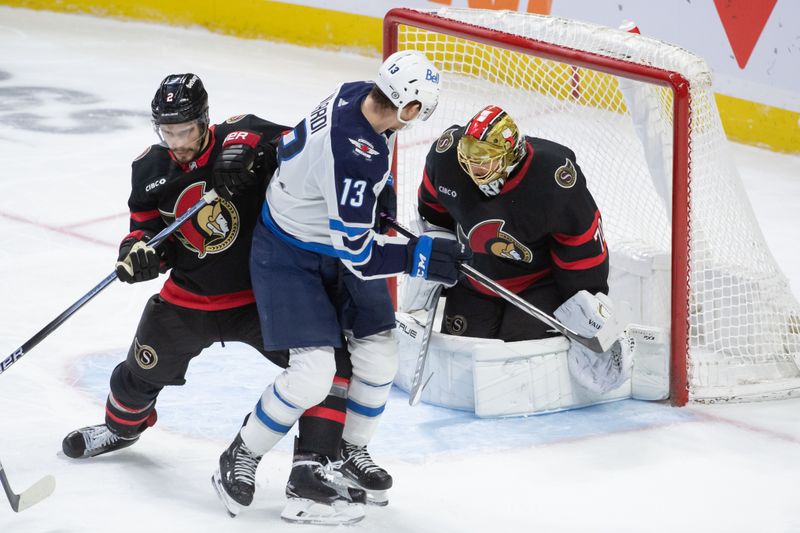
(182, 133)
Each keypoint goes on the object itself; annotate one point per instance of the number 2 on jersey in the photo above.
(353, 192)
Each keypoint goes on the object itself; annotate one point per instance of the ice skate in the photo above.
(317, 493)
(235, 479)
(94, 440)
(360, 471)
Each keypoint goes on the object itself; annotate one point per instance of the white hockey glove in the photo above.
(415, 293)
(585, 315)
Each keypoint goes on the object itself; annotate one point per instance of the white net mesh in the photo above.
(744, 323)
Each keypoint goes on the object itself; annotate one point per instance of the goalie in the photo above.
(522, 205)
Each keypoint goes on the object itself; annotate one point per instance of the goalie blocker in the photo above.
(495, 378)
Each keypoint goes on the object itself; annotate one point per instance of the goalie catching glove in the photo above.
(598, 372)
(137, 261)
(236, 166)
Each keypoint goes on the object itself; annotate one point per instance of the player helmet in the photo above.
(180, 98)
(407, 76)
(490, 147)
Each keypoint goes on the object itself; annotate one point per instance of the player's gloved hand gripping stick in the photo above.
(60, 319)
(600, 343)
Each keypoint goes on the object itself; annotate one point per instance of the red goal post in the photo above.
(559, 79)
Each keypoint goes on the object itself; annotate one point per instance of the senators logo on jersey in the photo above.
(566, 175)
(488, 237)
(213, 229)
(146, 357)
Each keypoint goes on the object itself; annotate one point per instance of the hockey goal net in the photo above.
(641, 117)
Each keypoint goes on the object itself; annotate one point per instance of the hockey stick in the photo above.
(605, 338)
(417, 386)
(60, 319)
(31, 496)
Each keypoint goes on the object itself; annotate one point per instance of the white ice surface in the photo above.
(623, 467)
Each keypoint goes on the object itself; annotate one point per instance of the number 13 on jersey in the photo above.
(353, 193)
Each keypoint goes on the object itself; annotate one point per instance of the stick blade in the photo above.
(36, 493)
(416, 393)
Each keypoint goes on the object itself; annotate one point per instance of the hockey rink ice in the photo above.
(75, 93)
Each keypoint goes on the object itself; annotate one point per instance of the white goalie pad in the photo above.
(495, 378)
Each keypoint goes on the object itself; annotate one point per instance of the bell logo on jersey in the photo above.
(488, 237)
(566, 175)
(363, 148)
(213, 229)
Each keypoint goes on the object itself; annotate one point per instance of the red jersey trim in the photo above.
(144, 216)
(583, 238)
(326, 413)
(175, 295)
(124, 422)
(436, 207)
(515, 285)
(580, 264)
(517, 179)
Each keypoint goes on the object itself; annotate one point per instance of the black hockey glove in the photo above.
(236, 166)
(137, 261)
(387, 204)
(436, 259)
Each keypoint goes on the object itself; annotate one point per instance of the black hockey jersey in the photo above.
(209, 254)
(544, 225)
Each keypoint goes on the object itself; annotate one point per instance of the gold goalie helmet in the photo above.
(490, 148)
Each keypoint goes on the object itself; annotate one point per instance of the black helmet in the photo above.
(180, 98)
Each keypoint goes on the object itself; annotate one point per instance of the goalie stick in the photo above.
(31, 496)
(207, 198)
(600, 343)
(417, 386)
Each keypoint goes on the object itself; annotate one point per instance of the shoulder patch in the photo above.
(566, 176)
(146, 151)
(235, 119)
(445, 141)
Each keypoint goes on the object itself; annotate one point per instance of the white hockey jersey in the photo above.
(331, 168)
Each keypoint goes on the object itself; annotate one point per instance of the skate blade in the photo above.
(230, 504)
(375, 498)
(378, 498)
(303, 511)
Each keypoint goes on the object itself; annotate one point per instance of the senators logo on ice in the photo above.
(488, 237)
(213, 229)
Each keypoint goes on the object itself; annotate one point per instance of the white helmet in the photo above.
(407, 76)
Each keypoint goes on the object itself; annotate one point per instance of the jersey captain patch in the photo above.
(566, 175)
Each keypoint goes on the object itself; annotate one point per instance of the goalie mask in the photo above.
(409, 76)
(490, 149)
(180, 114)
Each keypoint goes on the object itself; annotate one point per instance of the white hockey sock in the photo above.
(365, 404)
(271, 419)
